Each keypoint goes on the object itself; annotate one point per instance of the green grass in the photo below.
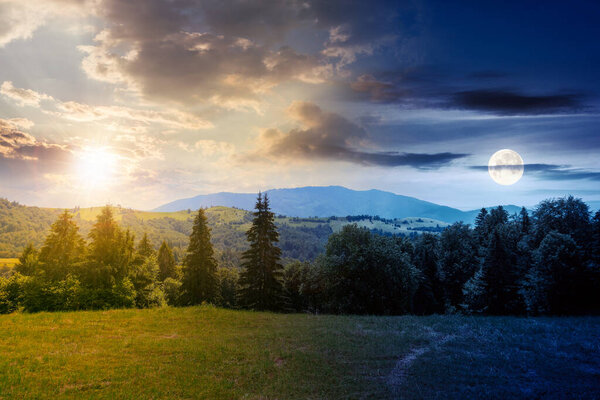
(204, 352)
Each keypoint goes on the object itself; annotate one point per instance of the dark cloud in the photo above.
(512, 103)
(23, 156)
(429, 86)
(265, 21)
(164, 49)
(230, 52)
(551, 172)
(329, 136)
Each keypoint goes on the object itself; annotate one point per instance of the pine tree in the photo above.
(63, 247)
(429, 298)
(458, 262)
(499, 274)
(199, 281)
(481, 226)
(28, 262)
(145, 248)
(261, 280)
(166, 262)
(111, 251)
(525, 221)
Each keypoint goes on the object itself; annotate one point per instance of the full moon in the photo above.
(505, 167)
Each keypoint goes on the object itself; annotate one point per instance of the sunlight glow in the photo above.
(96, 166)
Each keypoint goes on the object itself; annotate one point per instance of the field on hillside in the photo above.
(204, 352)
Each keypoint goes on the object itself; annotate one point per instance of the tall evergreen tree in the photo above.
(480, 226)
(458, 261)
(429, 298)
(63, 247)
(166, 262)
(261, 280)
(499, 273)
(199, 281)
(145, 248)
(525, 221)
(111, 251)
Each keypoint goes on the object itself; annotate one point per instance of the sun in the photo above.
(96, 166)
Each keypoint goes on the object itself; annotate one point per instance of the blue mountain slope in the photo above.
(326, 201)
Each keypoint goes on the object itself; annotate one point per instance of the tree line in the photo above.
(544, 263)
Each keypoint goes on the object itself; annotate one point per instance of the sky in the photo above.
(141, 102)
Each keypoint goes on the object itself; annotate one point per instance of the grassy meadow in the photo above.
(206, 352)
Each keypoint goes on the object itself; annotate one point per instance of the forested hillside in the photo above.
(301, 238)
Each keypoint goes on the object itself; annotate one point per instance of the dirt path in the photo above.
(398, 375)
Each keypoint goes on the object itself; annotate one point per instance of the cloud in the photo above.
(512, 103)
(329, 136)
(378, 91)
(84, 113)
(15, 123)
(23, 97)
(24, 159)
(551, 172)
(20, 19)
(162, 50)
(80, 112)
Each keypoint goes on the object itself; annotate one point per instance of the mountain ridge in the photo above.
(326, 201)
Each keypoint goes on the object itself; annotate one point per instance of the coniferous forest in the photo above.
(546, 262)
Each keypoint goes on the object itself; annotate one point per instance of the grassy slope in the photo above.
(203, 352)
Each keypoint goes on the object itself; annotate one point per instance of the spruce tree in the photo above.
(499, 274)
(261, 279)
(63, 247)
(525, 221)
(166, 262)
(111, 251)
(145, 248)
(429, 298)
(199, 281)
(481, 231)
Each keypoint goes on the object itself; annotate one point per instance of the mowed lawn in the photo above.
(210, 353)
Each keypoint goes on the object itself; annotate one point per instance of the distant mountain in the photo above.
(326, 201)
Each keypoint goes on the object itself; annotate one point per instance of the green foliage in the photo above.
(144, 277)
(120, 294)
(568, 215)
(500, 267)
(494, 288)
(145, 248)
(228, 287)
(11, 292)
(62, 249)
(367, 274)
(40, 294)
(172, 290)
(167, 268)
(297, 280)
(550, 285)
(199, 282)
(261, 285)
(458, 261)
(28, 262)
(429, 297)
